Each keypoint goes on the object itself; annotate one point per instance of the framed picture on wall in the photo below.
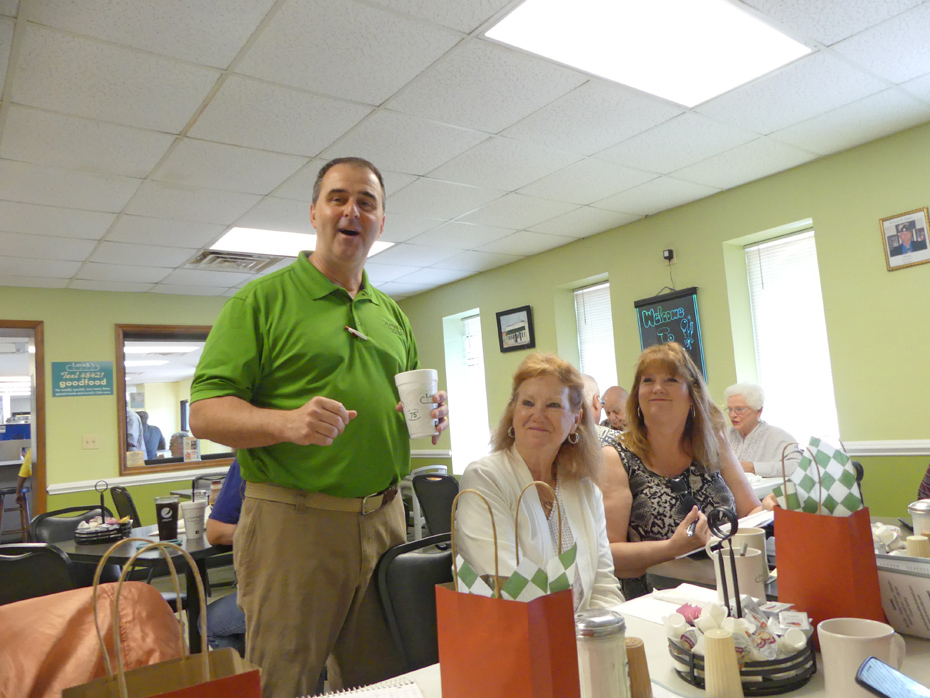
(904, 239)
(515, 329)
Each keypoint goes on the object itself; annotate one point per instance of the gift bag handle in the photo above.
(455, 566)
(819, 482)
(784, 478)
(164, 547)
(516, 523)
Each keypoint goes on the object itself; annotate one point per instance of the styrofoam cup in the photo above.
(417, 389)
(193, 513)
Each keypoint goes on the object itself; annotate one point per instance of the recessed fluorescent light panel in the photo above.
(275, 242)
(685, 51)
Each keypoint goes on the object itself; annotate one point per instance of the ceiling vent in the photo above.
(214, 260)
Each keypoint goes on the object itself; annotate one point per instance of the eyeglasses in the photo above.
(738, 410)
(681, 486)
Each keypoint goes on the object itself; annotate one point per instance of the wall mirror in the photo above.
(154, 368)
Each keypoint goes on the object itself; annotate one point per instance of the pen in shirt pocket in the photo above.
(356, 333)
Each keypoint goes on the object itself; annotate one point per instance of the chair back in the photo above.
(407, 576)
(122, 500)
(203, 482)
(28, 570)
(60, 525)
(436, 493)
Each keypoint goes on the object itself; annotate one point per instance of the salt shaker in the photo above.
(602, 666)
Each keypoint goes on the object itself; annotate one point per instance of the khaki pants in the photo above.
(306, 587)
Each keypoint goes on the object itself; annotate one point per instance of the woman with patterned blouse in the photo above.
(670, 468)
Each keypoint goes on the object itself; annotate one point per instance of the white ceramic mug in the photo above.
(748, 572)
(847, 642)
(754, 539)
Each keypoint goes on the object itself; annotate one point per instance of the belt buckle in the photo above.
(366, 498)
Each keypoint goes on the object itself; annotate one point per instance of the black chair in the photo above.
(28, 570)
(435, 493)
(122, 500)
(407, 576)
(60, 525)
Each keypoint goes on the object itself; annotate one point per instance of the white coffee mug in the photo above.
(754, 538)
(847, 642)
(748, 572)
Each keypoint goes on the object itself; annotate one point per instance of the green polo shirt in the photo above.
(281, 341)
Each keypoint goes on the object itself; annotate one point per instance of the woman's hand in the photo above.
(770, 502)
(683, 543)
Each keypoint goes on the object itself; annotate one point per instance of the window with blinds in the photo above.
(469, 433)
(790, 334)
(596, 334)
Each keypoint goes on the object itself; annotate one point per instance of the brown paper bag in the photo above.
(219, 674)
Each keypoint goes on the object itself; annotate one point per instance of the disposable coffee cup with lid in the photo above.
(417, 389)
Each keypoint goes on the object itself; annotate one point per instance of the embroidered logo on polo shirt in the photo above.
(395, 328)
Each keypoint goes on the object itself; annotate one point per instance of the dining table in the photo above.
(198, 548)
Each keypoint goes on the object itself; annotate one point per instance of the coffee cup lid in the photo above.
(921, 506)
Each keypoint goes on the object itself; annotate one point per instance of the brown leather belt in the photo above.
(317, 500)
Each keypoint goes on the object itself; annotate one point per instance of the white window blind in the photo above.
(792, 354)
(470, 433)
(596, 334)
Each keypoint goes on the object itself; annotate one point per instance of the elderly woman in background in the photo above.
(758, 446)
(670, 468)
(547, 434)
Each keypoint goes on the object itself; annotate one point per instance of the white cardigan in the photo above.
(500, 477)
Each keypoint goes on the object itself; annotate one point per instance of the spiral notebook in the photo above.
(395, 688)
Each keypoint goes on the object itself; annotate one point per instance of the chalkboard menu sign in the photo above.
(672, 317)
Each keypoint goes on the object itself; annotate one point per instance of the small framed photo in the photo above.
(515, 329)
(904, 238)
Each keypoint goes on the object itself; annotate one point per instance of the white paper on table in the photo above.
(652, 609)
(662, 692)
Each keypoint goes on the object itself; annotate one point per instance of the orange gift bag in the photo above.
(499, 647)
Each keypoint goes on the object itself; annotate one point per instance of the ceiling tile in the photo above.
(198, 277)
(156, 231)
(58, 222)
(891, 48)
(192, 31)
(272, 213)
(9, 7)
(745, 163)
(38, 268)
(919, 87)
(382, 273)
(431, 276)
(595, 116)
(655, 196)
(405, 254)
(404, 143)
(455, 14)
(518, 211)
(477, 261)
(586, 181)
(150, 255)
(92, 271)
(51, 186)
(854, 124)
(583, 222)
(305, 45)
(6, 43)
(400, 228)
(398, 289)
(829, 21)
(219, 166)
(111, 286)
(40, 246)
(257, 114)
(457, 235)
(485, 86)
(300, 185)
(79, 76)
(794, 93)
(162, 200)
(46, 138)
(189, 290)
(30, 282)
(437, 199)
(523, 242)
(504, 163)
(679, 142)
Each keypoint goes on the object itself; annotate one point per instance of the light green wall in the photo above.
(79, 326)
(875, 318)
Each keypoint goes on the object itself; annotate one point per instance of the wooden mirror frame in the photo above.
(183, 333)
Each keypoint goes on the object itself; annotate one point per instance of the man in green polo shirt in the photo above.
(298, 375)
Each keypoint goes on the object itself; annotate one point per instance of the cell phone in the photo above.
(886, 681)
